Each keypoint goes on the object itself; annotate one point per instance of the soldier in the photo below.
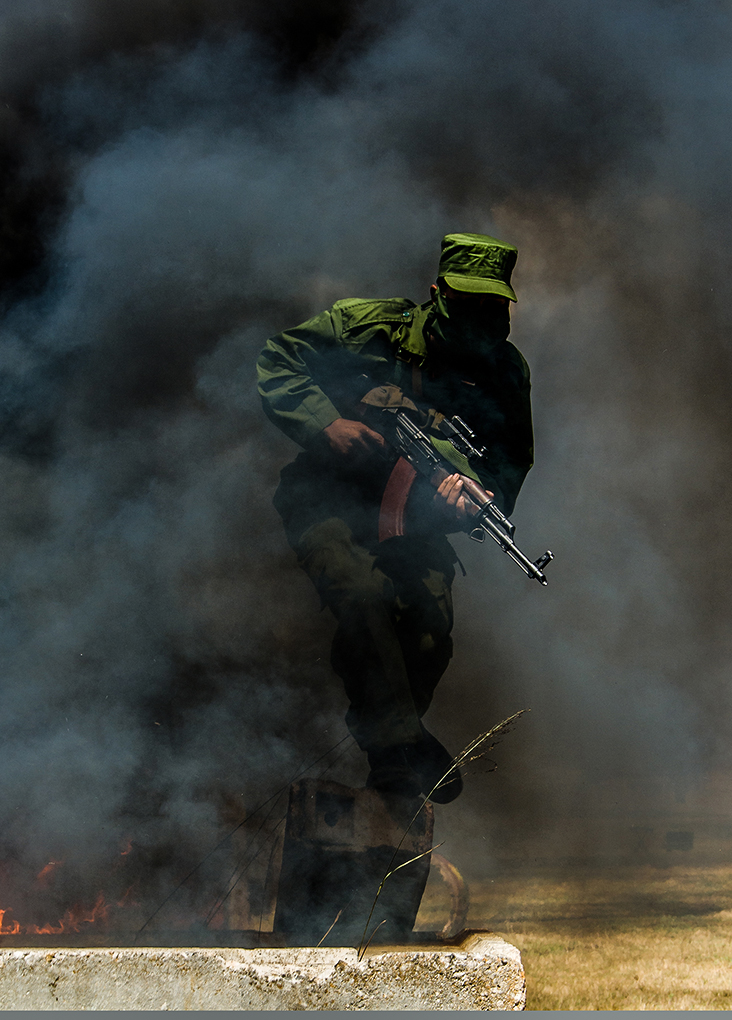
(392, 598)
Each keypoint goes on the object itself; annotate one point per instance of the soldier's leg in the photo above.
(422, 574)
(424, 628)
(366, 651)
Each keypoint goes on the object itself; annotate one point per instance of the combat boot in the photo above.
(440, 779)
(392, 773)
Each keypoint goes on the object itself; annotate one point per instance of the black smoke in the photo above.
(180, 181)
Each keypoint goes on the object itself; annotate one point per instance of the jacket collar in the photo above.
(411, 344)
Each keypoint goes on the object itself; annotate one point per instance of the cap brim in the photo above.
(480, 285)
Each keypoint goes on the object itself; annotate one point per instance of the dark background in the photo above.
(180, 180)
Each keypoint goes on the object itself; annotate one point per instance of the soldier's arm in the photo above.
(288, 371)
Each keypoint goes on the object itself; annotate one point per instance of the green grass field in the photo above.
(617, 938)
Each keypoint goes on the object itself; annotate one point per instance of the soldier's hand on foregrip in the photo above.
(451, 498)
(352, 439)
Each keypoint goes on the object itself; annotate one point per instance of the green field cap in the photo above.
(478, 264)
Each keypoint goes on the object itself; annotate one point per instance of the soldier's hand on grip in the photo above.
(352, 439)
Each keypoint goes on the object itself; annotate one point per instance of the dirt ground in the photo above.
(614, 938)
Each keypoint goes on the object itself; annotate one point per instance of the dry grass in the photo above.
(617, 938)
(665, 963)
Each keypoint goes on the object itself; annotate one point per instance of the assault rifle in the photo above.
(419, 455)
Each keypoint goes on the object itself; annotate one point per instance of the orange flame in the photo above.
(45, 873)
(126, 899)
(5, 929)
(128, 847)
(72, 919)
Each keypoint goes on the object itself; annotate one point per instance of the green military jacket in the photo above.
(318, 371)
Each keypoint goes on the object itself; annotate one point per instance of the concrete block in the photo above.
(478, 970)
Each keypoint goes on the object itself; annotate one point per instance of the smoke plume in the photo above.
(179, 182)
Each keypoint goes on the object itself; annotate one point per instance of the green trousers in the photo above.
(393, 604)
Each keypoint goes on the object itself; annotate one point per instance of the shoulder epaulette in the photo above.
(358, 312)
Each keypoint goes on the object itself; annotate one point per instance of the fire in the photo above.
(45, 873)
(6, 929)
(72, 921)
(77, 917)
(127, 899)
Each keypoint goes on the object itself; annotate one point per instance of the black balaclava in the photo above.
(468, 331)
